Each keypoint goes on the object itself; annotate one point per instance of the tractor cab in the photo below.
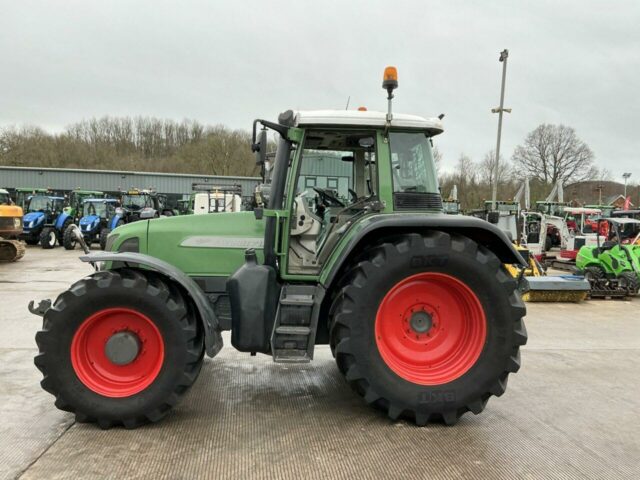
(144, 204)
(24, 194)
(76, 199)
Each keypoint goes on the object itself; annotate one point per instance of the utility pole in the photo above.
(494, 193)
(626, 177)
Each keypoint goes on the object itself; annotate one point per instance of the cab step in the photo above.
(294, 330)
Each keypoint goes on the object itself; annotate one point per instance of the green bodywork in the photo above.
(614, 260)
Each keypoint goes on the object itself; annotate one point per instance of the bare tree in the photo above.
(487, 167)
(554, 152)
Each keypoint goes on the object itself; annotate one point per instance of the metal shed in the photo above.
(65, 179)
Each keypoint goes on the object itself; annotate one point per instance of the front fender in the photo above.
(210, 324)
(480, 231)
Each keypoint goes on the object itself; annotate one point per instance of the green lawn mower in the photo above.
(614, 265)
(423, 318)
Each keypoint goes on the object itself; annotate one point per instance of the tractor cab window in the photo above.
(44, 204)
(135, 202)
(412, 163)
(100, 209)
(5, 199)
(336, 180)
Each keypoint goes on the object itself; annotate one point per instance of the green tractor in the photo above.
(420, 313)
(614, 264)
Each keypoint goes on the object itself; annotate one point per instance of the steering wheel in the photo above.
(327, 198)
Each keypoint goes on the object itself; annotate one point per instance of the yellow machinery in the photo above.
(11, 249)
(538, 287)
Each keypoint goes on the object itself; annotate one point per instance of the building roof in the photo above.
(367, 118)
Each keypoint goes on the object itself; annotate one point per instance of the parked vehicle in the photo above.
(422, 316)
(11, 249)
(44, 223)
(143, 205)
(98, 219)
(616, 262)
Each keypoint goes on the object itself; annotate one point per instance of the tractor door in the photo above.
(333, 181)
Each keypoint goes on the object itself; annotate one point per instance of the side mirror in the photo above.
(260, 147)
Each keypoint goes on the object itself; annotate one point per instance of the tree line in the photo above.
(136, 144)
(549, 153)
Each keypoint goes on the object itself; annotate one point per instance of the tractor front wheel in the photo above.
(69, 239)
(427, 326)
(48, 237)
(119, 348)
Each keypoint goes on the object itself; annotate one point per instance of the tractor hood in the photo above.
(89, 222)
(32, 220)
(210, 244)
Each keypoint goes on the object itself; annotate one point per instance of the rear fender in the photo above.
(208, 319)
(60, 220)
(478, 230)
(113, 223)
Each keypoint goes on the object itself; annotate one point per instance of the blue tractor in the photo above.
(45, 221)
(99, 217)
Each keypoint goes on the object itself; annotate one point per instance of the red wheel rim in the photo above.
(97, 371)
(449, 347)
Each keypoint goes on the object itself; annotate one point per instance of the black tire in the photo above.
(629, 281)
(48, 238)
(63, 230)
(69, 239)
(144, 292)
(353, 320)
(32, 240)
(594, 274)
(104, 233)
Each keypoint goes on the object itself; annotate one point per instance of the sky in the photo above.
(228, 62)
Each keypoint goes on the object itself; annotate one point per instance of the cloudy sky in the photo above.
(571, 62)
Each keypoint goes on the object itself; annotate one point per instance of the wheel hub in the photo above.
(421, 321)
(122, 348)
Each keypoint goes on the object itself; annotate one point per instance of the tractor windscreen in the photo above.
(413, 164)
(134, 202)
(96, 208)
(4, 199)
(39, 204)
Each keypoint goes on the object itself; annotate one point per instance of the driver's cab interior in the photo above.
(336, 182)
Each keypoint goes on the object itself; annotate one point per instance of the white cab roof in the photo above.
(585, 210)
(367, 119)
(623, 220)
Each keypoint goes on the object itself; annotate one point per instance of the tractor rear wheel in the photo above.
(629, 282)
(427, 326)
(104, 233)
(119, 348)
(48, 237)
(69, 239)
